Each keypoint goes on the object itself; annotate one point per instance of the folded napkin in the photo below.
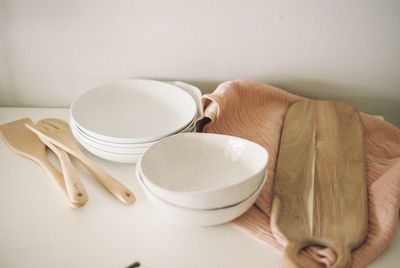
(255, 111)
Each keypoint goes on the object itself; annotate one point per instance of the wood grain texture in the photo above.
(262, 109)
(320, 192)
(58, 132)
(26, 143)
(75, 189)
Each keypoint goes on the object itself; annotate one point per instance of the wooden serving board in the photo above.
(320, 192)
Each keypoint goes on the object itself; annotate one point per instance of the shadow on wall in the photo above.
(374, 103)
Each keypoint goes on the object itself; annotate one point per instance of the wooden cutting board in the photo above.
(320, 192)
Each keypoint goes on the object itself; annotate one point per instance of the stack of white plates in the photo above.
(120, 121)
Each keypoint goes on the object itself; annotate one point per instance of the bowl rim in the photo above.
(204, 191)
(142, 182)
(123, 82)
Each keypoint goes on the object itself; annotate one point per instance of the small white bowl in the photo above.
(199, 217)
(202, 170)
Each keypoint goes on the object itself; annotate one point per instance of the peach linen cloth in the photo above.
(255, 111)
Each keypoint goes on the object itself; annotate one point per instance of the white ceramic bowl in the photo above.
(202, 170)
(199, 217)
(134, 111)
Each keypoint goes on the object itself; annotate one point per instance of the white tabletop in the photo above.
(39, 229)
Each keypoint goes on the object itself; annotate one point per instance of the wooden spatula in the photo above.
(59, 133)
(75, 189)
(320, 192)
(26, 143)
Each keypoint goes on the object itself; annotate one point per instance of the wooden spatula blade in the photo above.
(21, 140)
(26, 143)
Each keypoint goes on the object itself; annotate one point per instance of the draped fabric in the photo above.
(255, 111)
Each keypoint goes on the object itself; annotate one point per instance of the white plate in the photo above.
(121, 158)
(133, 111)
(109, 149)
(192, 91)
(115, 145)
(100, 142)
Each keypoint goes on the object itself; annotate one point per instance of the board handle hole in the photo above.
(312, 253)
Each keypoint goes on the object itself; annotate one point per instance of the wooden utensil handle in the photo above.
(74, 187)
(291, 255)
(108, 181)
(56, 175)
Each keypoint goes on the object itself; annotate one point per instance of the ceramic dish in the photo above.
(96, 141)
(136, 149)
(116, 150)
(192, 91)
(202, 170)
(109, 147)
(133, 111)
(199, 217)
(121, 158)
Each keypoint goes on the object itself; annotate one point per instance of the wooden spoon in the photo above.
(59, 133)
(26, 143)
(320, 192)
(75, 190)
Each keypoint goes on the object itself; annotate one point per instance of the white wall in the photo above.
(53, 50)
